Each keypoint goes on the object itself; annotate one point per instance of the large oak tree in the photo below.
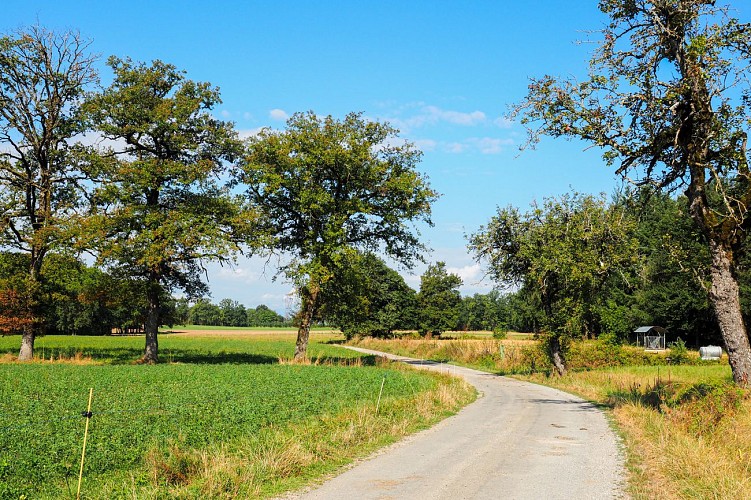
(43, 77)
(161, 208)
(324, 186)
(669, 100)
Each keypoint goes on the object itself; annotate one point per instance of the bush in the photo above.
(499, 333)
(678, 352)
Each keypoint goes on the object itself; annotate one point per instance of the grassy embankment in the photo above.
(222, 416)
(686, 428)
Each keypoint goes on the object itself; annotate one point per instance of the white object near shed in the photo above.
(710, 352)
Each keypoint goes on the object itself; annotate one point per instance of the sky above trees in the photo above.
(443, 73)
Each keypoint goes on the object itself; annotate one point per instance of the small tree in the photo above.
(161, 212)
(438, 300)
(669, 100)
(325, 186)
(566, 251)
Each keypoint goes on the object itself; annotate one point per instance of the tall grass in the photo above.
(515, 356)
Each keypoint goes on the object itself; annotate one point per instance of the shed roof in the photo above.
(647, 329)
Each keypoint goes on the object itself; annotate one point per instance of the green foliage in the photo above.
(500, 333)
(564, 252)
(438, 299)
(671, 291)
(324, 187)
(678, 352)
(203, 312)
(75, 298)
(491, 311)
(366, 297)
(263, 316)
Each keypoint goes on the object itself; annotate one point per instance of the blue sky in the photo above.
(443, 72)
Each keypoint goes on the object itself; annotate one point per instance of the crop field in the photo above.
(153, 427)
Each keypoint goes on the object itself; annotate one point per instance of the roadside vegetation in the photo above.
(226, 416)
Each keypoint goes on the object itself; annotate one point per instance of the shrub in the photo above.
(678, 352)
(499, 333)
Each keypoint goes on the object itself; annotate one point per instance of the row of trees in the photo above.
(227, 313)
(668, 99)
(167, 186)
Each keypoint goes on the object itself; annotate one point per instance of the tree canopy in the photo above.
(160, 210)
(43, 78)
(365, 297)
(324, 186)
(438, 300)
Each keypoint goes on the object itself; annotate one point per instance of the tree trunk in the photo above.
(27, 344)
(151, 328)
(556, 356)
(724, 295)
(309, 304)
(26, 353)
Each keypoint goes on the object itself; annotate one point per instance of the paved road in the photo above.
(517, 441)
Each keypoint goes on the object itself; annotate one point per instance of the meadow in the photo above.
(685, 426)
(224, 415)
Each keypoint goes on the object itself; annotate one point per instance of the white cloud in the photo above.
(456, 117)
(470, 274)
(489, 145)
(247, 133)
(416, 115)
(426, 144)
(482, 145)
(278, 115)
(226, 114)
(455, 147)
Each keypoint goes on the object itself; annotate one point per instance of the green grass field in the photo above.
(152, 426)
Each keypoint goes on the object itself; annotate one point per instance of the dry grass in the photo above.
(490, 354)
(52, 357)
(358, 361)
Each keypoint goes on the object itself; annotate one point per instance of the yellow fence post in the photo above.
(85, 436)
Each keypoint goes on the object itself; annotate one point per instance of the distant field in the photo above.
(221, 416)
(261, 329)
(206, 346)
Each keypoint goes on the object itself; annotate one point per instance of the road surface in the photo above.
(516, 441)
